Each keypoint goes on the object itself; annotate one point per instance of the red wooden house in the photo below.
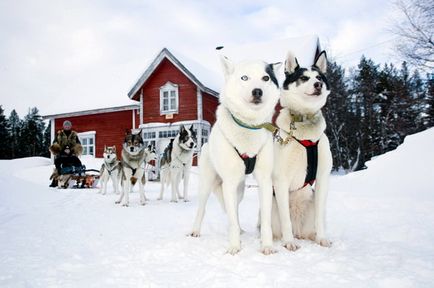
(168, 94)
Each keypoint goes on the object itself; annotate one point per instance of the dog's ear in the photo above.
(228, 66)
(114, 148)
(191, 128)
(105, 148)
(181, 128)
(291, 63)
(127, 131)
(321, 62)
(276, 66)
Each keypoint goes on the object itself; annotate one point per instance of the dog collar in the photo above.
(301, 117)
(267, 125)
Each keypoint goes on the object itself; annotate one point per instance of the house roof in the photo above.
(189, 67)
(93, 111)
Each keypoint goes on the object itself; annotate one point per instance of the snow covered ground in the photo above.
(381, 222)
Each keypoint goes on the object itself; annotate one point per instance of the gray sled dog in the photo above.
(302, 157)
(176, 163)
(134, 157)
(111, 169)
(238, 145)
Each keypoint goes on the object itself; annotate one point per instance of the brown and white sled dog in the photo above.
(304, 157)
(176, 163)
(238, 147)
(134, 157)
(111, 169)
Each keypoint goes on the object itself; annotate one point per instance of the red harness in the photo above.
(312, 160)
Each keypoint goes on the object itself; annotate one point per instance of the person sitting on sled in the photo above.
(64, 137)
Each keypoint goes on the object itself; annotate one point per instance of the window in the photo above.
(169, 98)
(87, 140)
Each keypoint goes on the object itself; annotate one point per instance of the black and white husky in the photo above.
(302, 157)
(176, 163)
(238, 146)
(111, 169)
(134, 157)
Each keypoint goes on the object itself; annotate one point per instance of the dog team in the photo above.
(290, 158)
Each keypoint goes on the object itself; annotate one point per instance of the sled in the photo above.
(80, 177)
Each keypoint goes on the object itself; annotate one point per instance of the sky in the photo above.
(63, 56)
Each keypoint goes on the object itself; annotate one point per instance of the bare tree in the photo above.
(415, 32)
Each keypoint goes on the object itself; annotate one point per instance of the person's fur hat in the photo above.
(55, 149)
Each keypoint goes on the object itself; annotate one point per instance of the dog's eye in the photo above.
(319, 78)
(266, 78)
(304, 78)
(244, 78)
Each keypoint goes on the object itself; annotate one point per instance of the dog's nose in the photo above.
(132, 149)
(108, 156)
(317, 85)
(257, 93)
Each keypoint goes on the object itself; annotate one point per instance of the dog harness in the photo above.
(249, 162)
(113, 168)
(312, 160)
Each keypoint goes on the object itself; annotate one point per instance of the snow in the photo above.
(380, 220)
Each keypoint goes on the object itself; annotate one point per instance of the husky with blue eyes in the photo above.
(239, 145)
(302, 157)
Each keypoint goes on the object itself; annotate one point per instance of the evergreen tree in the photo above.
(335, 113)
(15, 125)
(430, 100)
(364, 96)
(4, 136)
(32, 134)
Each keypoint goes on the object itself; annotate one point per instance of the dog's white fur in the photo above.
(179, 168)
(221, 168)
(304, 217)
(135, 160)
(111, 170)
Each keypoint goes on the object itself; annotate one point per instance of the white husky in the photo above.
(238, 146)
(303, 155)
(176, 163)
(134, 157)
(110, 169)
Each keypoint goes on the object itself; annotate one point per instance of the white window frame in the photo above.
(169, 88)
(86, 147)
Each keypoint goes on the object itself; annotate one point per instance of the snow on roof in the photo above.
(205, 68)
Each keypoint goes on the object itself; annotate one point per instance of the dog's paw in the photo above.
(267, 250)
(125, 205)
(143, 203)
(117, 202)
(233, 250)
(186, 200)
(324, 242)
(174, 201)
(194, 234)
(160, 198)
(291, 246)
